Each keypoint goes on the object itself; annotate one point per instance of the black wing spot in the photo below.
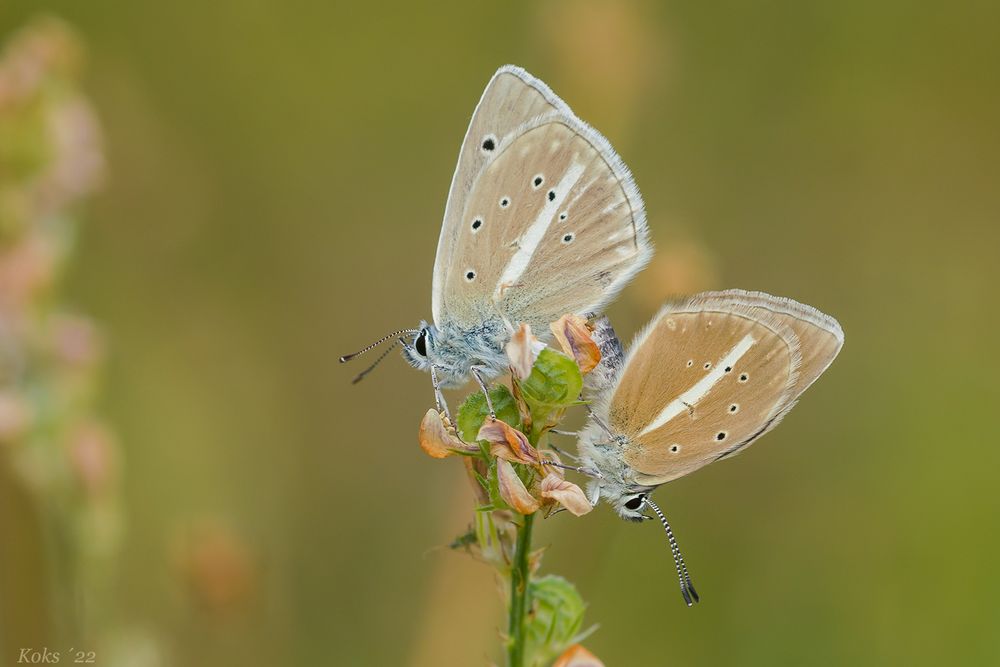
(734, 407)
(708, 364)
(477, 223)
(721, 435)
(470, 275)
(675, 448)
(744, 377)
(504, 202)
(538, 180)
(552, 195)
(563, 215)
(568, 238)
(489, 143)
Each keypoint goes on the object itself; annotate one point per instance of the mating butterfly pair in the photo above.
(543, 218)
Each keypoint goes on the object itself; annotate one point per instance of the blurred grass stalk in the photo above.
(60, 456)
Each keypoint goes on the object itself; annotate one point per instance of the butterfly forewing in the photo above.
(507, 103)
(548, 221)
(820, 335)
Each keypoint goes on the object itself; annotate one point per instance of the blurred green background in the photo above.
(276, 175)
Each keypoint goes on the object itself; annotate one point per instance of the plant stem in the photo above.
(519, 603)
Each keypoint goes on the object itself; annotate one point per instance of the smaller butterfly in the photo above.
(702, 382)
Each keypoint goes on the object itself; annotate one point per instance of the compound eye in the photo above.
(634, 503)
(421, 343)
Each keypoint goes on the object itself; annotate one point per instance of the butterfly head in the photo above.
(628, 502)
(418, 347)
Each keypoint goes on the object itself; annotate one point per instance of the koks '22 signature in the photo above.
(46, 656)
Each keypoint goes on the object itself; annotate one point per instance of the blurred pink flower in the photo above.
(93, 456)
(577, 656)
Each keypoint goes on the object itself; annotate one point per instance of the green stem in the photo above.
(519, 603)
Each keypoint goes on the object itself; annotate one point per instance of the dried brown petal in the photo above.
(522, 351)
(567, 494)
(512, 489)
(574, 338)
(438, 440)
(508, 443)
(577, 656)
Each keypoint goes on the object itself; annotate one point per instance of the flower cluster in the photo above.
(51, 439)
(514, 478)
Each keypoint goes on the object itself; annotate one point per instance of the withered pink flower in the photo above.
(577, 656)
(508, 443)
(574, 338)
(523, 350)
(512, 489)
(567, 494)
(438, 440)
(75, 340)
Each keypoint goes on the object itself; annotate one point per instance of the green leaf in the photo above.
(555, 381)
(556, 618)
(493, 486)
(474, 412)
(554, 384)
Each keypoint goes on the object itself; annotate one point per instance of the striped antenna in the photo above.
(348, 357)
(687, 588)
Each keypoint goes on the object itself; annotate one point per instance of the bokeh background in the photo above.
(273, 180)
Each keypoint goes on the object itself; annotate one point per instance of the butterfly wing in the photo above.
(711, 375)
(543, 218)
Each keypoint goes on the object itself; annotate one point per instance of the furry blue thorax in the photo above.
(453, 351)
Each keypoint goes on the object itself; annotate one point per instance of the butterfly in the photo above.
(702, 382)
(542, 219)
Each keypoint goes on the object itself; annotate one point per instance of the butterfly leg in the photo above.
(442, 405)
(589, 472)
(477, 373)
(568, 455)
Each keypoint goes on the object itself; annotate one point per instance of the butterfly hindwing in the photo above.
(548, 221)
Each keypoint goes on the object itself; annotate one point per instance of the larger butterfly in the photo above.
(543, 218)
(705, 380)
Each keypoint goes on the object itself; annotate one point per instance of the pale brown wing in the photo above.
(550, 222)
(820, 335)
(711, 375)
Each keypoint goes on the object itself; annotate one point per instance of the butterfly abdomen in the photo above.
(612, 358)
